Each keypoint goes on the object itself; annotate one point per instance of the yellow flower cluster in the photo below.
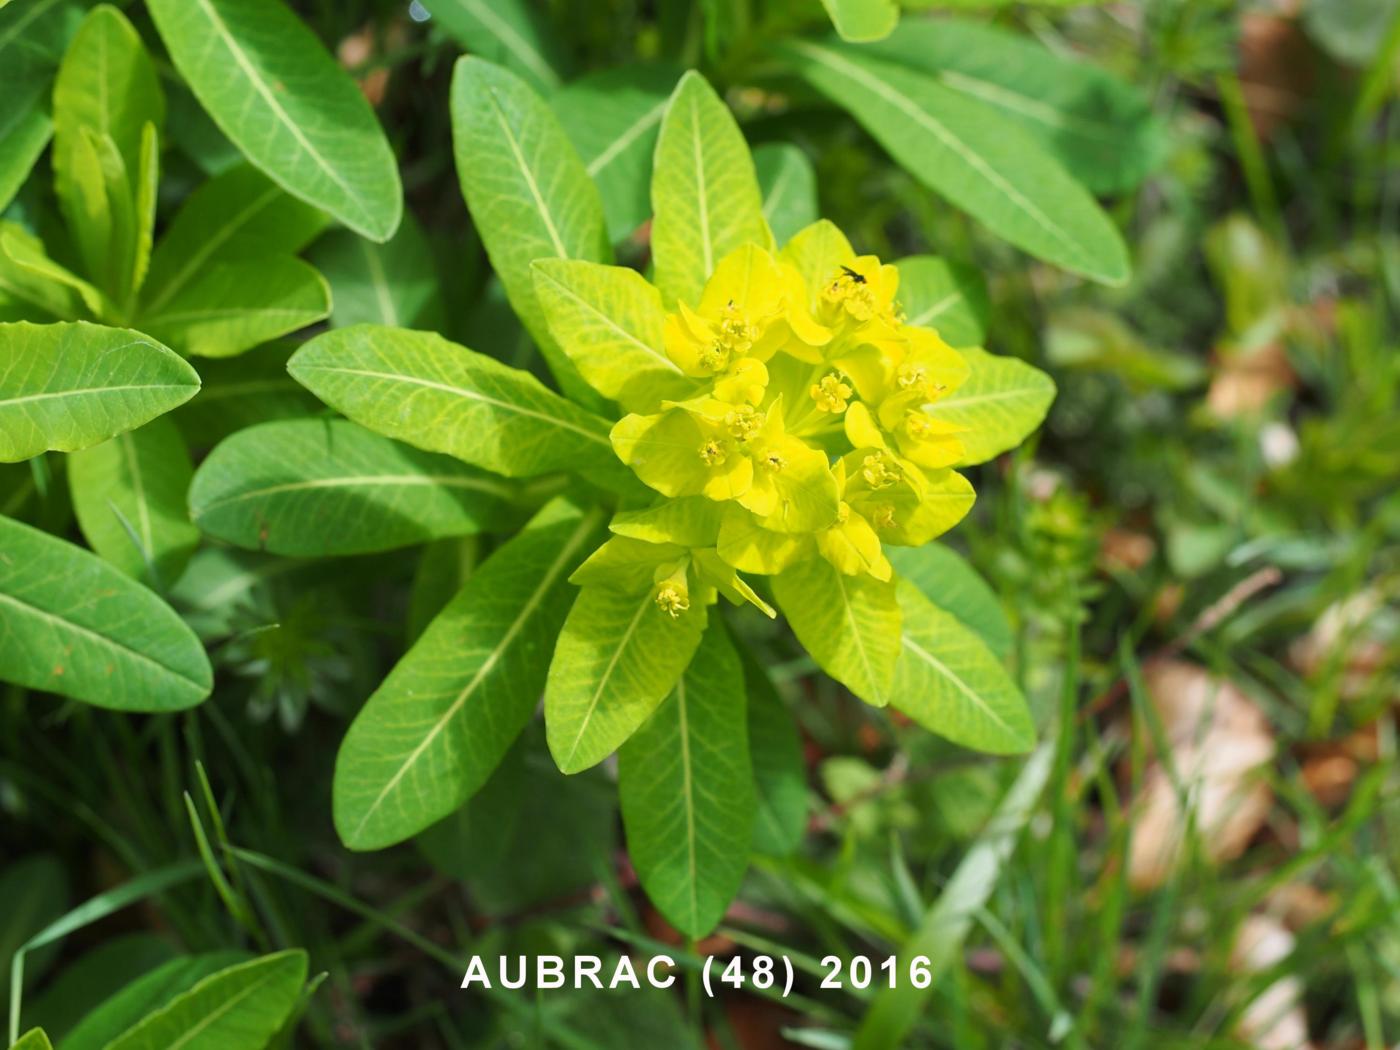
(809, 433)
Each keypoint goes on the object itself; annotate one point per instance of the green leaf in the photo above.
(99, 973)
(27, 290)
(435, 395)
(950, 297)
(967, 152)
(704, 192)
(618, 656)
(531, 200)
(241, 392)
(129, 496)
(144, 995)
(613, 117)
(107, 85)
(23, 136)
(234, 306)
(1082, 337)
(850, 624)
(780, 775)
(687, 791)
(1000, 403)
(609, 320)
(861, 21)
(510, 33)
(949, 682)
(1101, 129)
(35, 891)
(34, 1039)
(68, 386)
(272, 88)
(78, 627)
(789, 185)
(239, 1008)
(316, 487)
(440, 723)
(943, 928)
(237, 216)
(954, 586)
(394, 283)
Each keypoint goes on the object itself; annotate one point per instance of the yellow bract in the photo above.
(810, 434)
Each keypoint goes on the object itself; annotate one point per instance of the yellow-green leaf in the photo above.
(1000, 403)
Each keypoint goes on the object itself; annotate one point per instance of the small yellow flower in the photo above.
(831, 394)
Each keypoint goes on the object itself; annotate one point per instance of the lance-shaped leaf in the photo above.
(234, 306)
(144, 995)
(510, 33)
(609, 320)
(34, 1039)
(129, 496)
(704, 192)
(949, 682)
(27, 290)
(67, 386)
(438, 396)
(238, 215)
(394, 283)
(789, 185)
(613, 117)
(1101, 129)
(863, 20)
(687, 791)
(327, 486)
(23, 136)
(970, 154)
(272, 88)
(450, 709)
(850, 624)
(528, 193)
(954, 586)
(242, 1006)
(780, 778)
(950, 297)
(77, 626)
(1000, 403)
(618, 656)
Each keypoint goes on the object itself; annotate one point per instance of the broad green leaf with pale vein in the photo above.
(613, 117)
(789, 185)
(22, 141)
(609, 320)
(780, 776)
(618, 656)
(1100, 128)
(510, 33)
(272, 88)
(954, 586)
(861, 21)
(236, 216)
(950, 297)
(1000, 403)
(129, 496)
(67, 386)
(528, 194)
(687, 791)
(438, 396)
(450, 709)
(240, 1008)
(970, 154)
(77, 626)
(949, 682)
(394, 283)
(704, 192)
(319, 487)
(945, 925)
(145, 995)
(234, 306)
(850, 625)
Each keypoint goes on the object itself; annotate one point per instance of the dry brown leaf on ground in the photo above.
(1219, 739)
(1245, 381)
(1275, 1018)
